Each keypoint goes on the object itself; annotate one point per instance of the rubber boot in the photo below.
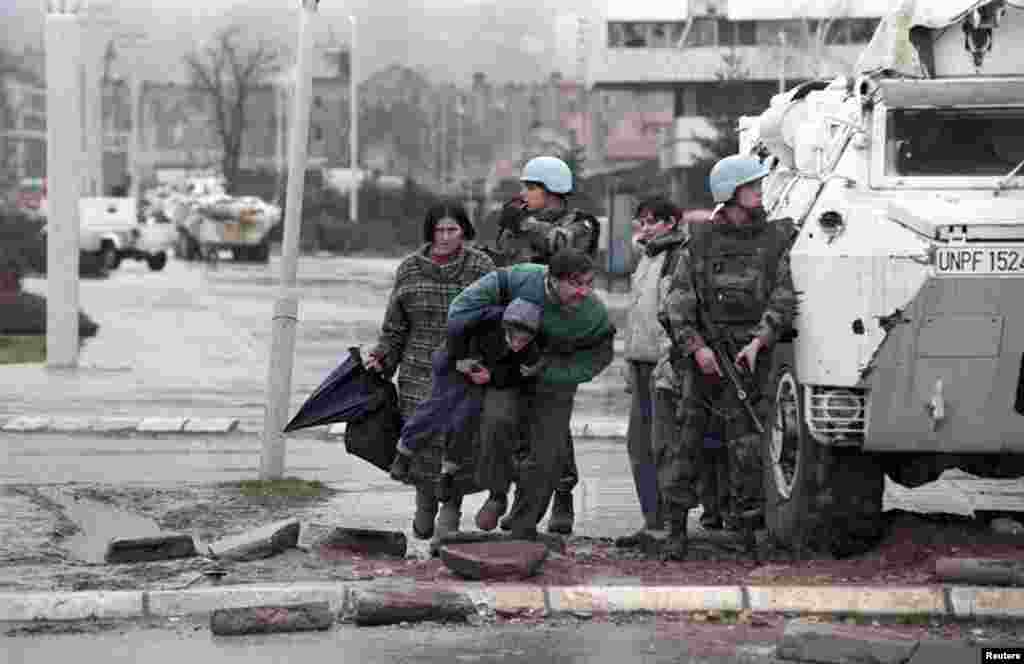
(517, 505)
(426, 511)
(562, 515)
(400, 467)
(677, 544)
(449, 518)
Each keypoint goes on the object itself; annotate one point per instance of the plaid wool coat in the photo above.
(416, 324)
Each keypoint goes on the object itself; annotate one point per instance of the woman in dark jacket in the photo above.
(498, 352)
(415, 325)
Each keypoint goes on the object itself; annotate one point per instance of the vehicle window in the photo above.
(954, 142)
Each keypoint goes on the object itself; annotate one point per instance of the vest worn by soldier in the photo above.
(582, 230)
(734, 268)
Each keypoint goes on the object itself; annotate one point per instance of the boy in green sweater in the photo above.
(578, 345)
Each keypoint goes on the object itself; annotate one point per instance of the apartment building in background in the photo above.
(661, 71)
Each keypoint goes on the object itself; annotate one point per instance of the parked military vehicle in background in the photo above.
(907, 183)
(211, 223)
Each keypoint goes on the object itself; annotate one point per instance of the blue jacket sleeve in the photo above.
(471, 305)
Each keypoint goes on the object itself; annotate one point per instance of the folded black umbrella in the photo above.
(363, 399)
(344, 395)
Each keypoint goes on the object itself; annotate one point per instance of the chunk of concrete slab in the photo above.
(262, 542)
(495, 560)
(980, 571)
(148, 549)
(554, 543)
(364, 542)
(115, 424)
(839, 644)
(27, 423)
(211, 425)
(161, 425)
(311, 616)
(385, 606)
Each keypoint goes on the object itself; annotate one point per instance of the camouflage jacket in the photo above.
(545, 233)
(739, 277)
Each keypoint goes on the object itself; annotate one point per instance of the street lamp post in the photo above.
(286, 308)
(63, 166)
(353, 132)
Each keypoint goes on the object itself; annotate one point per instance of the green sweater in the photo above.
(577, 342)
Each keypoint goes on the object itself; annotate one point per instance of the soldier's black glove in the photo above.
(512, 215)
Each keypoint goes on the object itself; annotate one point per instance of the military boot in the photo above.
(677, 544)
(449, 518)
(426, 511)
(562, 515)
(517, 505)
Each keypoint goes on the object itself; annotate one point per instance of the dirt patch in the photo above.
(207, 511)
(906, 556)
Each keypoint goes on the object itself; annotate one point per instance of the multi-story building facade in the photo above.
(664, 70)
(22, 126)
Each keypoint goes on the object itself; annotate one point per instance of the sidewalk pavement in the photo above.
(583, 426)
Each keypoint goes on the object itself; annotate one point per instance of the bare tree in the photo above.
(226, 72)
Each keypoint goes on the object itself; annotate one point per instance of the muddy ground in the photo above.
(42, 559)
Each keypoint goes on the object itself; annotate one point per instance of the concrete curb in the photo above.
(600, 428)
(118, 425)
(962, 602)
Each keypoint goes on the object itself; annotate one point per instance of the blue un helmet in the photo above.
(731, 173)
(551, 172)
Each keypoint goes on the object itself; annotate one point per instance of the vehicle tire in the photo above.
(818, 498)
(157, 261)
(110, 257)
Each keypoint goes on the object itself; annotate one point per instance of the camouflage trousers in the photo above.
(684, 416)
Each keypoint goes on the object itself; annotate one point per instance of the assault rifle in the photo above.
(725, 352)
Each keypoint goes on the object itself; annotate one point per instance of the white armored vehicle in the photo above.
(907, 184)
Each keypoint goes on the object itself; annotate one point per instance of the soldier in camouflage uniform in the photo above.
(534, 228)
(736, 283)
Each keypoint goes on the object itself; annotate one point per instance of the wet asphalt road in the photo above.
(647, 641)
(193, 340)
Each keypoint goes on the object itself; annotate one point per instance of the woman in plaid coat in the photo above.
(415, 326)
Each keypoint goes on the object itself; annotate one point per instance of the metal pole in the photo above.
(280, 100)
(353, 132)
(63, 172)
(286, 309)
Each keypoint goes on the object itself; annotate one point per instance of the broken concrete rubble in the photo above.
(148, 549)
(312, 616)
(554, 543)
(805, 641)
(366, 542)
(982, 571)
(263, 542)
(389, 606)
(494, 560)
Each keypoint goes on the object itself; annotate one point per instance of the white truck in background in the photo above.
(111, 230)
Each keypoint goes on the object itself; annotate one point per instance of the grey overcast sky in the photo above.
(507, 39)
